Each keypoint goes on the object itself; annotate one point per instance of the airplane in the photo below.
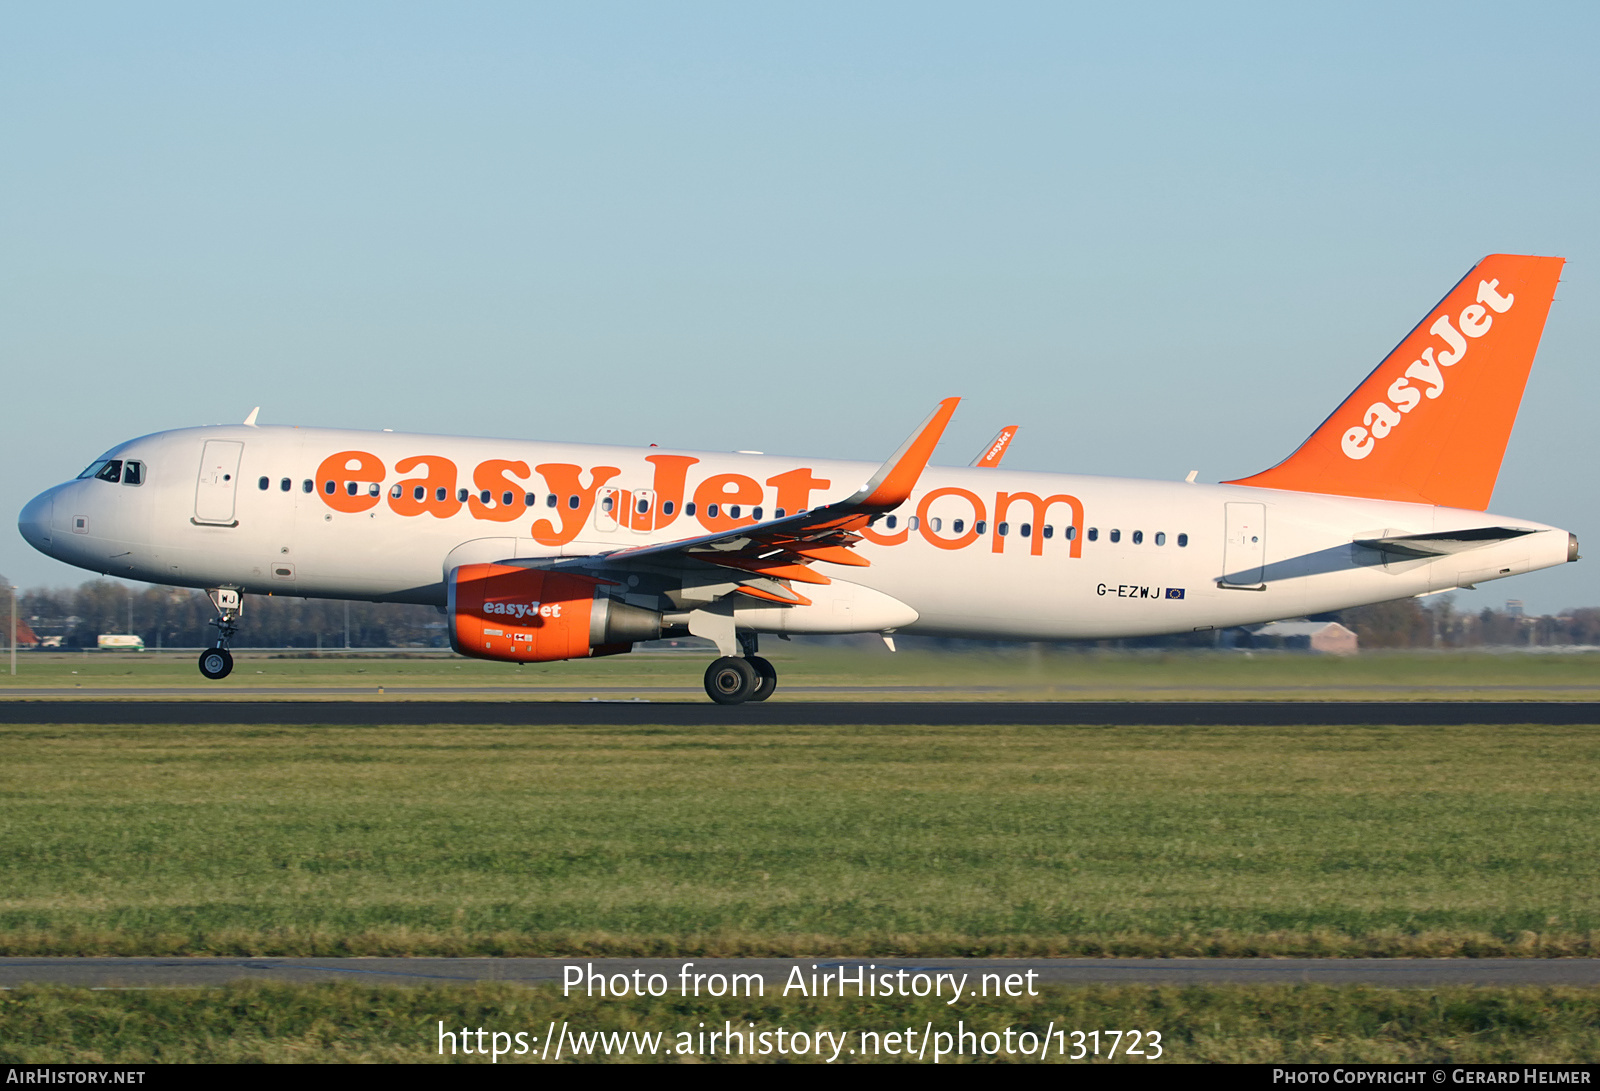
(539, 551)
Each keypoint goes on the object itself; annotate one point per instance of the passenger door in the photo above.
(219, 483)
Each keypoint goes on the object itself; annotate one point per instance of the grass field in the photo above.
(1019, 672)
(827, 839)
(323, 1023)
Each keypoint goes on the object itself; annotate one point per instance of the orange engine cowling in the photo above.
(527, 615)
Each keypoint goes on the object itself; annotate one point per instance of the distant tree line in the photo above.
(178, 618)
(1436, 623)
(173, 617)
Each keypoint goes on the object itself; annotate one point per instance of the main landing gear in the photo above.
(732, 680)
(216, 662)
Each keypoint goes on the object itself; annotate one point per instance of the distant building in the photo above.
(25, 636)
(1514, 608)
(1326, 637)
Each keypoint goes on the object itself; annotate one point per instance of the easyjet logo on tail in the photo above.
(1382, 417)
(1430, 424)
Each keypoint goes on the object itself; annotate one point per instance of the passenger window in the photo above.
(755, 513)
(1049, 531)
(1094, 534)
(1116, 535)
(286, 485)
(265, 483)
(1161, 537)
(350, 487)
(688, 509)
(1026, 530)
(779, 514)
(913, 522)
(112, 471)
(374, 489)
(1138, 537)
(439, 494)
(507, 499)
(1070, 533)
(329, 487)
(607, 504)
(733, 511)
(461, 496)
(982, 527)
(572, 502)
(418, 493)
(711, 511)
(1003, 528)
(307, 486)
(889, 522)
(667, 507)
(1183, 540)
(958, 526)
(397, 492)
(483, 497)
(530, 500)
(936, 523)
(550, 501)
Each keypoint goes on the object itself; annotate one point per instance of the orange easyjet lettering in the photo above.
(574, 500)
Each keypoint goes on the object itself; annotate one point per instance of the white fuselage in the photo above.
(199, 519)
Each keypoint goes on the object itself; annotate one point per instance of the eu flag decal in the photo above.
(1174, 592)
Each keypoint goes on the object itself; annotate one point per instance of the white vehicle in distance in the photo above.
(118, 642)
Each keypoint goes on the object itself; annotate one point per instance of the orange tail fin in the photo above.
(1430, 424)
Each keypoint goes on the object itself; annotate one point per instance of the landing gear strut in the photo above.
(216, 661)
(732, 680)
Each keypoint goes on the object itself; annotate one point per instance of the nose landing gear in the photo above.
(733, 681)
(216, 662)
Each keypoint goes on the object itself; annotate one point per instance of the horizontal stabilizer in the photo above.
(1441, 545)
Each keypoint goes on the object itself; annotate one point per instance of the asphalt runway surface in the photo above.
(149, 973)
(702, 713)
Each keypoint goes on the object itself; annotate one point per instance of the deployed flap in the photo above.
(1430, 425)
(1442, 544)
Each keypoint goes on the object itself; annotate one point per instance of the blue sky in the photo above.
(1159, 238)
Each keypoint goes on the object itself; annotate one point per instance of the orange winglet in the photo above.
(892, 484)
(1430, 424)
(996, 450)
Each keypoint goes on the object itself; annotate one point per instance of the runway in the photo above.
(702, 713)
(149, 973)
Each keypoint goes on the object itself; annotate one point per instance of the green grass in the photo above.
(824, 839)
(1008, 673)
(349, 1023)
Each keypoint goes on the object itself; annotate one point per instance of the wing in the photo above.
(992, 454)
(763, 559)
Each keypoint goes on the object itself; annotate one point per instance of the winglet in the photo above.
(250, 421)
(996, 450)
(892, 484)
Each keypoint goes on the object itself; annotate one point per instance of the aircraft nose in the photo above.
(34, 522)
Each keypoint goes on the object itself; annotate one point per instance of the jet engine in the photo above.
(529, 615)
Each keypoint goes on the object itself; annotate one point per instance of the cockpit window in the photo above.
(111, 471)
(133, 473)
(93, 470)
